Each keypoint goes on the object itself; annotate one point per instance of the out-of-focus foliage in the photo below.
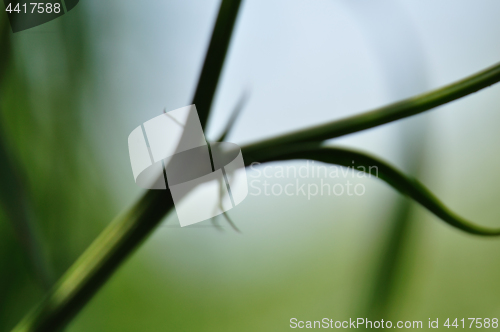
(46, 76)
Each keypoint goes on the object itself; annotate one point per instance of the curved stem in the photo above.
(396, 179)
(386, 114)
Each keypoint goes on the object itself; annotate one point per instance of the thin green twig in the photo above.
(94, 267)
(380, 169)
(214, 60)
(386, 114)
(234, 116)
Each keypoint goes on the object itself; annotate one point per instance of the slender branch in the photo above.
(386, 114)
(94, 267)
(214, 61)
(375, 167)
(233, 117)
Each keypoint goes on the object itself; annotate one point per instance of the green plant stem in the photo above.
(386, 114)
(395, 255)
(214, 60)
(375, 167)
(233, 117)
(121, 237)
(94, 267)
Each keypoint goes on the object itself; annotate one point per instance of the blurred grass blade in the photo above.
(5, 47)
(13, 197)
(386, 114)
(93, 268)
(384, 171)
(234, 116)
(395, 254)
(20, 212)
(214, 60)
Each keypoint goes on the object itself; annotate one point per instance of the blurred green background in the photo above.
(74, 88)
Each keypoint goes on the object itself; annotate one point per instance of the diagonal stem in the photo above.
(214, 60)
(96, 265)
